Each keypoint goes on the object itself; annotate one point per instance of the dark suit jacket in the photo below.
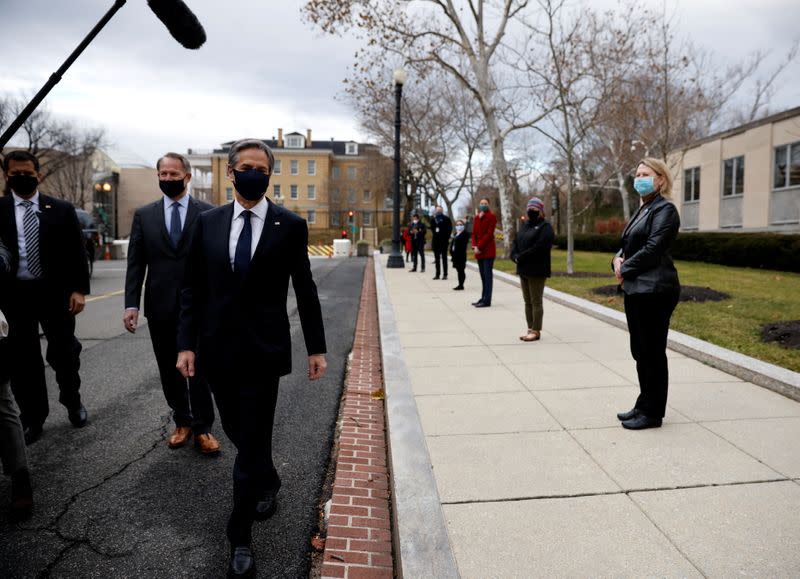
(61, 249)
(150, 250)
(458, 249)
(234, 324)
(445, 229)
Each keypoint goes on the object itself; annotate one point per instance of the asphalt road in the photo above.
(112, 500)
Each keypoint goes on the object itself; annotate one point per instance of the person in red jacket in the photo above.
(406, 243)
(484, 247)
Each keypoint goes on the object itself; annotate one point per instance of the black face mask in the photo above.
(533, 216)
(172, 188)
(251, 184)
(23, 185)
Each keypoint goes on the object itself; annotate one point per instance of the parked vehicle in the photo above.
(91, 236)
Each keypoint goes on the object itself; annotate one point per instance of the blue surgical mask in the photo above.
(459, 228)
(644, 185)
(251, 184)
(483, 207)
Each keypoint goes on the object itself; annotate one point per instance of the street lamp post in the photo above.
(396, 257)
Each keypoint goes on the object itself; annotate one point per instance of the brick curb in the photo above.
(358, 543)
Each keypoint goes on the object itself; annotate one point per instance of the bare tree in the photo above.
(470, 40)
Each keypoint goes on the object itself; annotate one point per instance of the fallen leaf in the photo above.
(318, 543)
(378, 394)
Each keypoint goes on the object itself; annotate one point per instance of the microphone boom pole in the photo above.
(56, 76)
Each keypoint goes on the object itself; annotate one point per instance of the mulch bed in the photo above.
(689, 293)
(786, 334)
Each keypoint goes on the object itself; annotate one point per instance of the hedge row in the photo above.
(759, 250)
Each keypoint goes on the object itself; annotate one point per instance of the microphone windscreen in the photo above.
(180, 21)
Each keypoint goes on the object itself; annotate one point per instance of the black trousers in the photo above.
(35, 304)
(440, 255)
(247, 411)
(487, 279)
(461, 272)
(418, 250)
(191, 404)
(648, 323)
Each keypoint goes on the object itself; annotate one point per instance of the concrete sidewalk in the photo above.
(533, 472)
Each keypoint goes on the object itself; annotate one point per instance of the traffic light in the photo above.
(350, 215)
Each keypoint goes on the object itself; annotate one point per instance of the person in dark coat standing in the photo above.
(483, 245)
(159, 244)
(644, 269)
(233, 317)
(531, 253)
(442, 229)
(458, 252)
(13, 455)
(48, 289)
(417, 231)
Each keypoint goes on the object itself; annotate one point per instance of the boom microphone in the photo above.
(181, 22)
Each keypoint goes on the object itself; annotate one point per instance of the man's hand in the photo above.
(130, 320)
(618, 268)
(77, 302)
(185, 363)
(316, 366)
(475, 249)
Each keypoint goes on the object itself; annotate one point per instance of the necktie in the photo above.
(241, 259)
(175, 225)
(30, 229)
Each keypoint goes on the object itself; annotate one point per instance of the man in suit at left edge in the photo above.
(161, 235)
(50, 282)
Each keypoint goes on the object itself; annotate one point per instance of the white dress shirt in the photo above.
(183, 207)
(257, 220)
(19, 214)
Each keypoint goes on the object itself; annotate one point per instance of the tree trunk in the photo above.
(623, 192)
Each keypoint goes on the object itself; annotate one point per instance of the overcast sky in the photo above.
(262, 66)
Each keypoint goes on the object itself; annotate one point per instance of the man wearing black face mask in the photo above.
(159, 244)
(48, 288)
(233, 316)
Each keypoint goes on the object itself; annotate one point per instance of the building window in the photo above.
(388, 202)
(276, 189)
(312, 216)
(335, 173)
(351, 195)
(229, 193)
(276, 170)
(367, 196)
(312, 167)
(351, 172)
(335, 222)
(312, 191)
(293, 167)
(293, 191)
(691, 185)
(336, 194)
(733, 176)
(366, 218)
(787, 166)
(351, 149)
(294, 142)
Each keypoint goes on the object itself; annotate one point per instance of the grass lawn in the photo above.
(758, 297)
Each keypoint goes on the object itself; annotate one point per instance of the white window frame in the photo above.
(294, 167)
(734, 180)
(311, 191)
(367, 196)
(276, 170)
(335, 173)
(311, 167)
(351, 149)
(351, 195)
(366, 218)
(293, 191)
(276, 190)
(352, 174)
(312, 216)
(294, 142)
(694, 195)
(787, 179)
(229, 193)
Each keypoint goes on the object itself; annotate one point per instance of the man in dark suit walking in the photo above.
(442, 228)
(417, 232)
(49, 285)
(233, 317)
(159, 244)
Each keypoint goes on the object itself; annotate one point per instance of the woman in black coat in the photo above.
(531, 253)
(458, 252)
(644, 269)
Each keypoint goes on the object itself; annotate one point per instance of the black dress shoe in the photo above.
(412, 270)
(476, 303)
(267, 506)
(458, 287)
(21, 495)
(436, 277)
(640, 422)
(444, 277)
(32, 434)
(628, 415)
(482, 305)
(243, 564)
(78, 416)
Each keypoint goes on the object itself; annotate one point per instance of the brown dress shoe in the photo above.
(179, 437)
(206, 443)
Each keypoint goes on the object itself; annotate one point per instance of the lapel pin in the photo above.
(47, 207)
(277, 223)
